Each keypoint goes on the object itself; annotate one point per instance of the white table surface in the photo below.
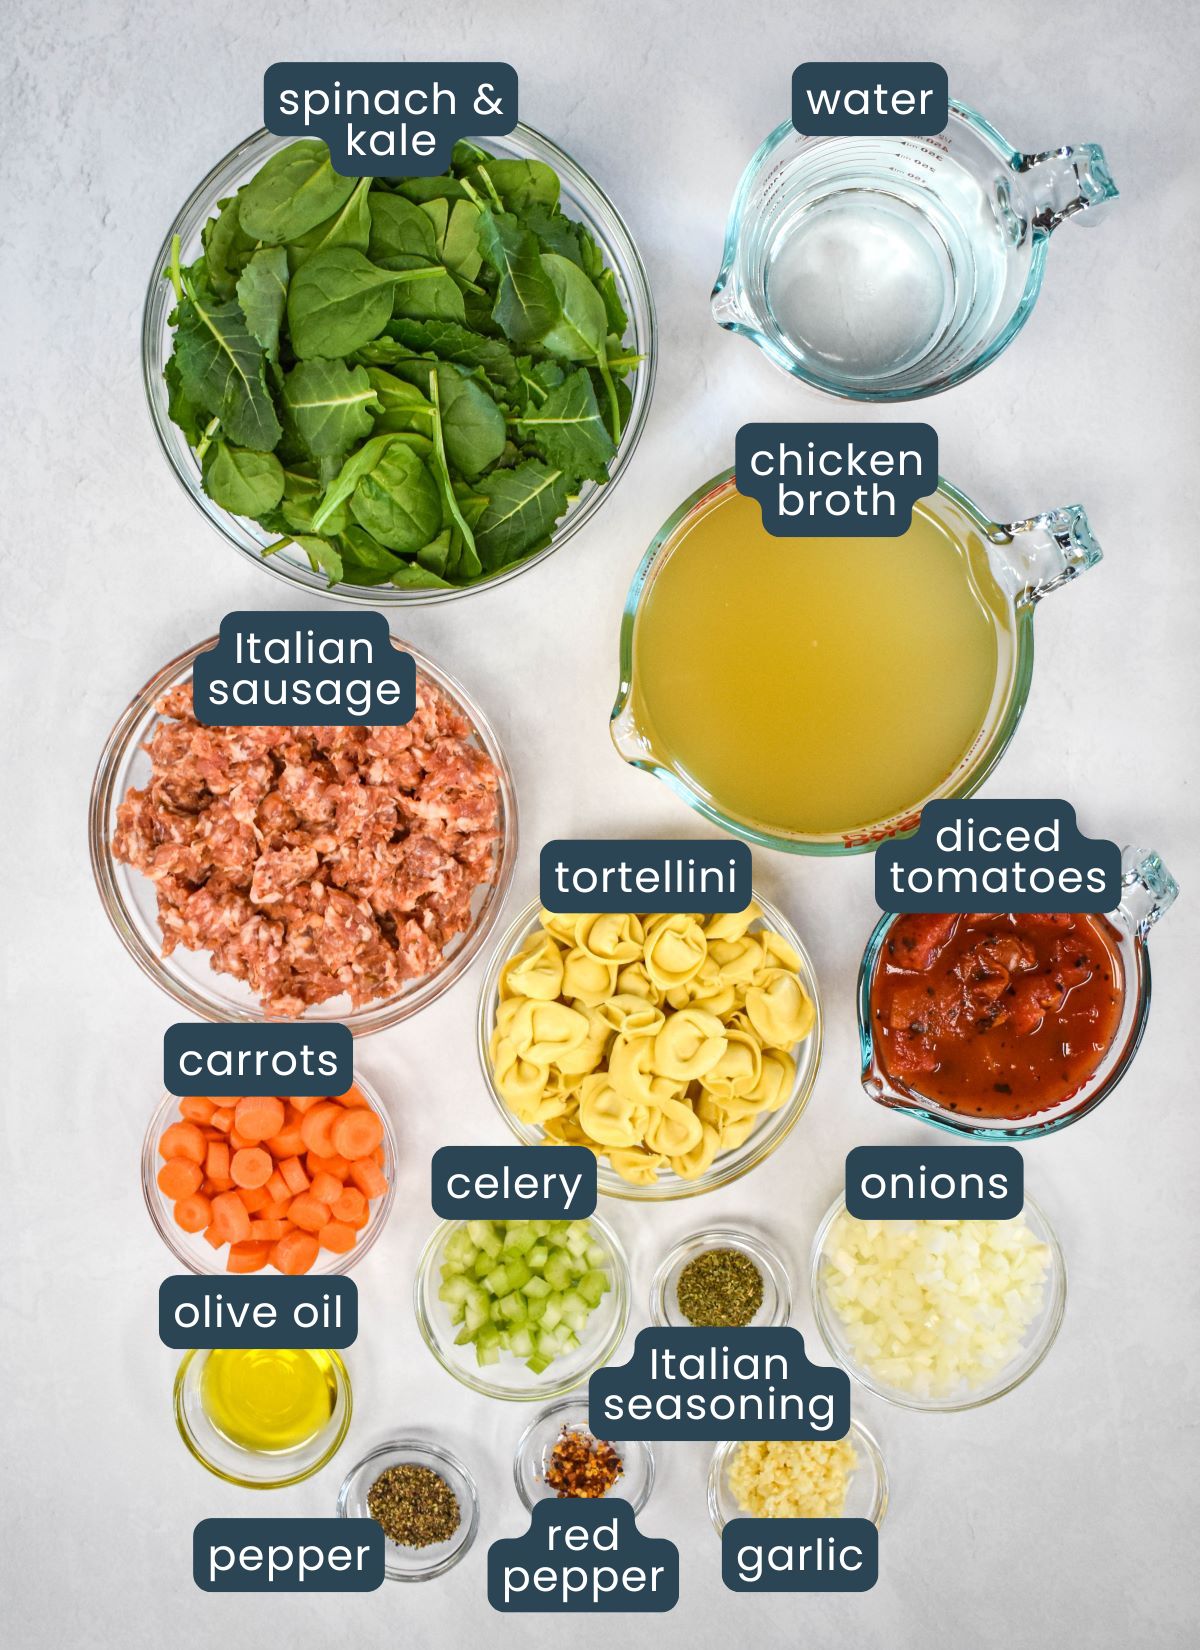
(1057, 1516)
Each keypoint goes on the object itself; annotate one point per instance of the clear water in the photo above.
(871, 277)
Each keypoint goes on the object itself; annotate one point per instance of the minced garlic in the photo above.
(930, 1306)
(781, 1479)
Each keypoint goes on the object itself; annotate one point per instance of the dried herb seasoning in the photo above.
(414, 1504)
(720, 1289)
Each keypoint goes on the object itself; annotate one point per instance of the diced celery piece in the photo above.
(484, 1235)
(538, 1256)
(592, 1286)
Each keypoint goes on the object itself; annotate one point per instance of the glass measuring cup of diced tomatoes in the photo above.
(1009, 1026)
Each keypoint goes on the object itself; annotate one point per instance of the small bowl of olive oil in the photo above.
(263, 1417)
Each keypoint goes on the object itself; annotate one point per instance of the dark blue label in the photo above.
(389, 119)
(638, 875)
(935, 1182)
(719, 1383)
(1026, 855)
(513, 1182)
(836, 480)
(226, 1060)
(320, 669)
(870, 99)
(259, 1310)
(288, 1555)
(583, 1556)
(800, 1555)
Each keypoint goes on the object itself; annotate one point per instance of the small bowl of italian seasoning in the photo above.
(424, 1498)
(721, 1279)
(558, 1456)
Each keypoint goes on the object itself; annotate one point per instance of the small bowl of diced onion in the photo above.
(938, 1314)
(522, 1309)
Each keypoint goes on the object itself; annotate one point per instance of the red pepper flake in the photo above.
(581, 1465)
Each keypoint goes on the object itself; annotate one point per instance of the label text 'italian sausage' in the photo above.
(836, 480)
(409, 115)
(272, 668)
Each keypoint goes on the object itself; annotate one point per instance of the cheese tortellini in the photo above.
(658, 1041)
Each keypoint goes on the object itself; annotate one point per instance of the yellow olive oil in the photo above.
(268, 1400)
(818, 686)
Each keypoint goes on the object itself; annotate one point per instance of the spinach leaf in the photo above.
(441, 466)
(518, 183)
(401, 237)
(429, 295)
(227, 247)
(243, 482)
(523, 507)
(606, 285)
(443, 187)
(457, 235)
(568, 430)
(365, 559)
(323, 556)
(295, 191)
(262, 293)
(302, 496)
(223, 370)
(555, 233)
(527, 304)
(397, 501)
(418, 578)
(349, 226)
(339, 300)
(582, 327)
(330, 404)
(348, 477)
(401, 404)
(473, 426)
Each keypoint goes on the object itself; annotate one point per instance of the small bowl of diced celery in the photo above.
(522, 1309)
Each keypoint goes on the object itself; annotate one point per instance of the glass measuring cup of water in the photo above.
(883, 269)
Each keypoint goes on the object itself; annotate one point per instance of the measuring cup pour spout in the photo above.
(1032, 557)
(1065, 182)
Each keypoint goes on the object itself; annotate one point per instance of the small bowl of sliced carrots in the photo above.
(280, 1183)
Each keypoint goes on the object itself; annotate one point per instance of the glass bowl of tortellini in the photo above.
(681, 1049)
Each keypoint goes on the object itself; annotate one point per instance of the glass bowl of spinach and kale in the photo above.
(398, 389)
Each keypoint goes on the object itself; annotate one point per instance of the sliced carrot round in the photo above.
(231, 1217)
(351, 1207)
(193, 1213)
(258, 1117)
(357, 1132)
(179, 1177)
(308, 1212)
(251, 1167)
(316, 1124)
(183, 1140)
(338, 1237)
(295, 1253)
(368, 1177)
(326, 1188)
(248, 1257)
(197, 1108)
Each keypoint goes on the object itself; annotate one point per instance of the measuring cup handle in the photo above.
(1033, 557)
(1065, 182)
(1147, 890)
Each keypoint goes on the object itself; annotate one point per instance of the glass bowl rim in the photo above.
(859, 1435)
(470, 1377)
(422, 1447)
(926, 1110)
(375, 1016)
(609, 1184)
(158, 1205)
(337, 1437)
(829, 845)
(760, 1248)
(567, 1401)
(1023, 1366)
(642, 318)
(1039, 244)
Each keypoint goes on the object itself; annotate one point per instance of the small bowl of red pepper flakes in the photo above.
(1009, 1025)
(558, 1456)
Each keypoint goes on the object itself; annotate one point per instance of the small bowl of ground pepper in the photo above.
(558, 1456)
(425, 1499)
(721, 1279)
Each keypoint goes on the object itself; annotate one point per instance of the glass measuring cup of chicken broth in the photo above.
(886, 268)
(812, 694)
